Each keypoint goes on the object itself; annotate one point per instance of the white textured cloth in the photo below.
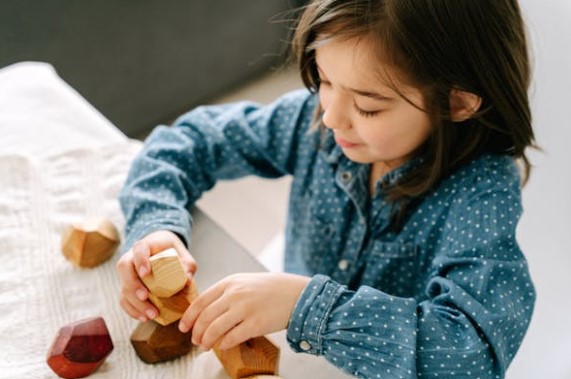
(60, 162)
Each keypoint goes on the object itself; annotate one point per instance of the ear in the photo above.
(463, 105)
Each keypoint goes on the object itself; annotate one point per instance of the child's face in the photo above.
(371, 122)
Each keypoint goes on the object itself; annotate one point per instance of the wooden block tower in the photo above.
(169, 290)
(159, 341)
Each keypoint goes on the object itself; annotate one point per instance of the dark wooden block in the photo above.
(80, 348)
(155, 343)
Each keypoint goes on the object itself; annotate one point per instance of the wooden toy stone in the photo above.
(155, 343)
(167, 275)
(90, 243)
(80, 348)
(172, 308)
(168, 286)
(256, 358)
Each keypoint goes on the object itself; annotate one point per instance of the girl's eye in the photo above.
(363, 112)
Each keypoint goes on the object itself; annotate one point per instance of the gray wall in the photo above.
(142, 62)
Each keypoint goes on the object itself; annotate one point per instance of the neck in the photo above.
(378, 170)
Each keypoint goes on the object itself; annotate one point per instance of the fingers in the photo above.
(133, 296)
(141, 254)
(240, 333)
(199, 305)
(215, 321)
(189, 264)
(157, 242)
(140, 312)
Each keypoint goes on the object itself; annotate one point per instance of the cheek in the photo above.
(398, 133)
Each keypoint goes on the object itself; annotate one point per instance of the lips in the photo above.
(344, 143)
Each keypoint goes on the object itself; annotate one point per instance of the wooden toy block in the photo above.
(90, 243)
(172, 308)
(80, 348)
(155, 343)
(167, 275)
(253, 358)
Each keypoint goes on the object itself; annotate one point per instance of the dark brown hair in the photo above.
(439, 45)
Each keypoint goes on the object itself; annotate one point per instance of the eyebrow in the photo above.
(373, 95)
(370, 94)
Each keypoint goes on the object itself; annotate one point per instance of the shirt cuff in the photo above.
(310, 315)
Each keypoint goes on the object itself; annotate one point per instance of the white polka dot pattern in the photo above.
(447, 296)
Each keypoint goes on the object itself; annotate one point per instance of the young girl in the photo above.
(401, 246)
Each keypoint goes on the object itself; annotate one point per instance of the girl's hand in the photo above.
(135, 264)
(242, 306)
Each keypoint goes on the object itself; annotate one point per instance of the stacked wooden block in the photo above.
(160, 340)
(169, 290)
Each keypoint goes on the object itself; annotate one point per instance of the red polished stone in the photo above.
(80, 348)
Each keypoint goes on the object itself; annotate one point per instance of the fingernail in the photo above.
(142, 318)
(141, 294)
(151, 313)
(183, 327)
(143, 271)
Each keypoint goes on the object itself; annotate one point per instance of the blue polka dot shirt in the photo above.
(447, 296)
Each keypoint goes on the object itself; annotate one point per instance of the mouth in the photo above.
(344, 143)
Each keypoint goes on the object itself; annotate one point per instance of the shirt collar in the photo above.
(333, 154)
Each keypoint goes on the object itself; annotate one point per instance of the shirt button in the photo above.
(346, 176)
(304, 345)
(343, 264)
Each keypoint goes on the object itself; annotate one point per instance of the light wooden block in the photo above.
(253, 358)
(172, 308)
(155, 343)
(167, 275)
(90, 242)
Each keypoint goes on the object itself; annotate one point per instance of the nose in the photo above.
(334, 116)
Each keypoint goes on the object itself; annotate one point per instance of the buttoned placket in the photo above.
(352, 178)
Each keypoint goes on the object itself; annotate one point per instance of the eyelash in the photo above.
(363, 112)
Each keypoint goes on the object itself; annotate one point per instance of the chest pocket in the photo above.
(392, 268)
(313, 237)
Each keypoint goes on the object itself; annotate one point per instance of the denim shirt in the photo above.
(447, 296)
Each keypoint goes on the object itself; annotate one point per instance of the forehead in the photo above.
(359, 62)
(354, 57)
(355, 65)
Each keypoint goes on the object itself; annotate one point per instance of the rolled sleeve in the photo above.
(364, 332)
(310, 315)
